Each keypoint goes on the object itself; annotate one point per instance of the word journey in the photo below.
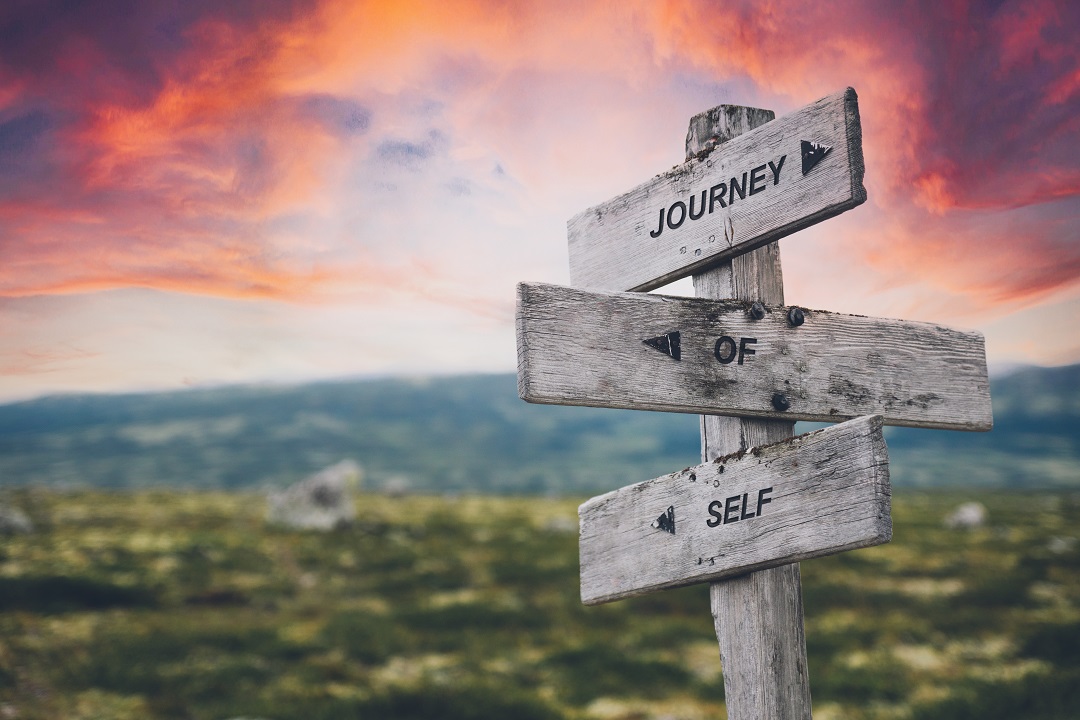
(762, 500)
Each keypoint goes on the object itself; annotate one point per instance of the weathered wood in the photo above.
(758, 617)
(813, 495)
(624, 244)
(676, 354)
(712, 128)
(759, 625)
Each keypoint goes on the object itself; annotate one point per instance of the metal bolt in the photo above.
(757, 311)
(795, 317)
(780, 402)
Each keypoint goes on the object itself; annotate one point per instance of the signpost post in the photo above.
(761, 500)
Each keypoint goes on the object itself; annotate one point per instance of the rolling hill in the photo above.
(472, 434)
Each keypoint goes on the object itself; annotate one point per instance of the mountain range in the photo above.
(472, 434)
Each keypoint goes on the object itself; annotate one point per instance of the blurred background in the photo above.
(261, 451)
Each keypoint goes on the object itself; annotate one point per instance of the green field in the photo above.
(168, 604)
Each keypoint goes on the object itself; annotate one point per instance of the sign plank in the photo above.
(781, 177)
(816, 494)
(677, 354)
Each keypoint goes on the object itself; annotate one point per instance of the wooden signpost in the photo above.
(761, 500)
(651, 352)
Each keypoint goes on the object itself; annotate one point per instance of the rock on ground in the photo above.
(967, 516)
(322, 501)
(14, 521)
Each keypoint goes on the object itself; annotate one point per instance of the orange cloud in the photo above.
(173, 192)
(180, 167)
(37, 361)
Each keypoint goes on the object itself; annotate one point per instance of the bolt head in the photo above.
(780, 402)
(795, 317)
(757, 311)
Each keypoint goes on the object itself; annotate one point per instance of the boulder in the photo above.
(14, 521)
(967, 516)
(1059, 545)
(322, 501)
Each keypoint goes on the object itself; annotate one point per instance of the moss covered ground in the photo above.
(169, 604)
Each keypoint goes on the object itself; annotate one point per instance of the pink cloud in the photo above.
(970, 120)
(168, 161)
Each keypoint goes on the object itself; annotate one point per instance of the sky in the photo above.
(205, 192)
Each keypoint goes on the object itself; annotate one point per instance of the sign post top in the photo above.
(713, 127)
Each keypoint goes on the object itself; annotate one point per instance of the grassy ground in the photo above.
(186, 605)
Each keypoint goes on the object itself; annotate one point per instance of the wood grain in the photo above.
(611, 245)
(759, 625)
(759, 616)
(813, 495)
(577, 347)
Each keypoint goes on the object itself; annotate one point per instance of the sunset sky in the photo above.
(204, 192)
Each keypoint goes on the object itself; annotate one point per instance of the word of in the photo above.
(736, 504)
(716, 194)
(727, 350)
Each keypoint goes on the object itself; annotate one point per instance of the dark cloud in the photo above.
(28, 167)
(142, 143)
(1001, 97)
(341, 117)
(409, 154)
(403, 151)
(253, 163)
(117, 50)
(459, 186)
(68, 63)
(21, 136)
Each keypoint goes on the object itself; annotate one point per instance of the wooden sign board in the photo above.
(678, 354)
(816, 494)
(758, 187)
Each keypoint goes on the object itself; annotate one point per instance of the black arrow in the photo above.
(666, 521)
(667, 344)
(812, 154)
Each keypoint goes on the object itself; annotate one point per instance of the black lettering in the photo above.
(743, 350)
(745, 507)
(716, 194)
(731, 506)
(701, 211)
(715, 508)
(721, 355)
(734, 187)
(671, 214)
(755, 179)
(762, 500)
(776, 169)
(657, 231)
